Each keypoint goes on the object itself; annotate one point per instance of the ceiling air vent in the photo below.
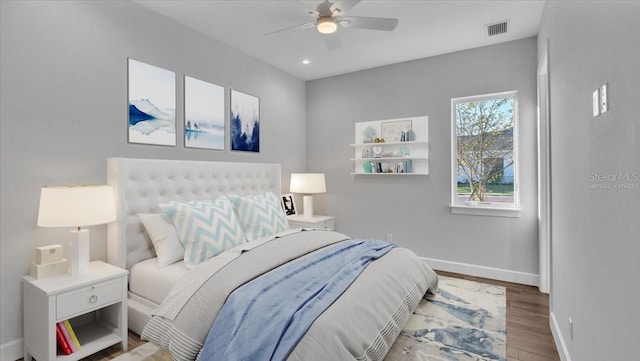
(497, 28)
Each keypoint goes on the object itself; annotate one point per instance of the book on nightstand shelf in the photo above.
(72, 334)
(63, 344)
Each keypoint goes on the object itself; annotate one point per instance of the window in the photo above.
(484, 154)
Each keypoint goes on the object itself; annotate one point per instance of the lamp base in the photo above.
(307, 206)
(79, 252)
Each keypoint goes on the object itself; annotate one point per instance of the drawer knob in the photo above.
(93, 299)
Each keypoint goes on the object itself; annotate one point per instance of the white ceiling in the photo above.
(426, 28)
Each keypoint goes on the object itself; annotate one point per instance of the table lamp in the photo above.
(307, 184)
(77, 206)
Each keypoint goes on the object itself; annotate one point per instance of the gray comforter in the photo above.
(361, 325)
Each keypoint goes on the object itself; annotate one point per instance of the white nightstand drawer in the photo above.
(322, 222)
(88, 298)
(324, 225)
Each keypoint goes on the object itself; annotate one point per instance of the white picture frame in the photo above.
(151, 97)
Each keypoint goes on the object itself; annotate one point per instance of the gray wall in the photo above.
(596, 242)
(64, 111)
(415, 209)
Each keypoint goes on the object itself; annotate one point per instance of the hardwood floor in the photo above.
(528, 333)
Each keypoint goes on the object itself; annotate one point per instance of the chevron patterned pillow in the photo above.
(261, 215)
(205, 228)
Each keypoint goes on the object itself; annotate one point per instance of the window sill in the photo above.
(485, 210)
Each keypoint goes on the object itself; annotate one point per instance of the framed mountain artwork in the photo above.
(152, 104)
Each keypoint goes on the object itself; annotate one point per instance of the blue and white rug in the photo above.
(465, 321)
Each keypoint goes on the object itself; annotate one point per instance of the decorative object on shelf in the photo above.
(203, 114)
(367, 166)
(56, 268)
(410, 135)
(77, 206)
(289, 204)
(378, 140)
(396, 131)
(377, 152)
(152, 104)
(48, 254)
(308, 184)
(245, 122)
(368, 134)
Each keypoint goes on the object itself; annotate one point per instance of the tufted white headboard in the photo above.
(140, 184)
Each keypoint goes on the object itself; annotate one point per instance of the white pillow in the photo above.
(261, 215)
(164, 236)
(205, 228)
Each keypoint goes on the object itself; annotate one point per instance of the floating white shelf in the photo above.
(404, 151)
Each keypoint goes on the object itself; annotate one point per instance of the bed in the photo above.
(176, 305)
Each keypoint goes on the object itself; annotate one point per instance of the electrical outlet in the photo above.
(389, 237)
(570, 329)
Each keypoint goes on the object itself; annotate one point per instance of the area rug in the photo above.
(145, 352)
(464, 321)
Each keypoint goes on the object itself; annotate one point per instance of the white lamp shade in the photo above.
(76, 206)
(307, 183)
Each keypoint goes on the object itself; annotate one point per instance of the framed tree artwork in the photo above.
(203, 114)
(245, 122)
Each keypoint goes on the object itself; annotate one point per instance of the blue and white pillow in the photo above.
(205, 228)
(261, 215)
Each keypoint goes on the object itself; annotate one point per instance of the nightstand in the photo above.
(95, 304)
(299, 221)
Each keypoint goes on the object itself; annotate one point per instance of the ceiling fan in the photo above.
(328, 15)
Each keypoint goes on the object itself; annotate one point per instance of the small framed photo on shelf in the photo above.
(289, 204)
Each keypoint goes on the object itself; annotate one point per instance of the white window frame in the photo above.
(488, 208)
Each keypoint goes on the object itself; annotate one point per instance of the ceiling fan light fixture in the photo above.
(327, 25)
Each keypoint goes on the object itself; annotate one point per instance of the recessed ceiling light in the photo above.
(306, 62)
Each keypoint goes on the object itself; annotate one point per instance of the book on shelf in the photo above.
(63, 344)
(68, 337)
(72, 334)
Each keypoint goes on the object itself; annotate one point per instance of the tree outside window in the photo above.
(485, 149)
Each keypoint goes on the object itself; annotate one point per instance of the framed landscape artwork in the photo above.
(245, 122)
(203, 114)
(152, 104)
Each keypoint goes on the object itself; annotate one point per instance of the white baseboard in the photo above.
(483, 271)
(12, 350)
(563, 352)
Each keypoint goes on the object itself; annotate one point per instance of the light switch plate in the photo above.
(604, 102)
(596, 102)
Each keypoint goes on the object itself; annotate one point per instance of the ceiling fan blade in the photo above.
(342, 6)
(386, 24)
(301, 26)
(332, 42)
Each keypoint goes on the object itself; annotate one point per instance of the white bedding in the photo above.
(153, 283)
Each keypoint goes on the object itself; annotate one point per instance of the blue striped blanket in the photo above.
(265, 318)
